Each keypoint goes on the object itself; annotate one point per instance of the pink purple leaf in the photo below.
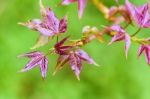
(83, 55)
(76, 64)
(44, 66)
(81, 7)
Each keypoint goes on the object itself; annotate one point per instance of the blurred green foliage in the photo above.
(117, 78)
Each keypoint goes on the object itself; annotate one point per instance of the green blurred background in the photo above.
(117, 78)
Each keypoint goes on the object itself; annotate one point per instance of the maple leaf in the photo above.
(120, 36)
(37, 58)
(145, 48)
(139, 14)
(48, 26)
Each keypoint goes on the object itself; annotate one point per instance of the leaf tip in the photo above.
(78, 78)
(21, 23)
(54, 73)
(97, 65)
